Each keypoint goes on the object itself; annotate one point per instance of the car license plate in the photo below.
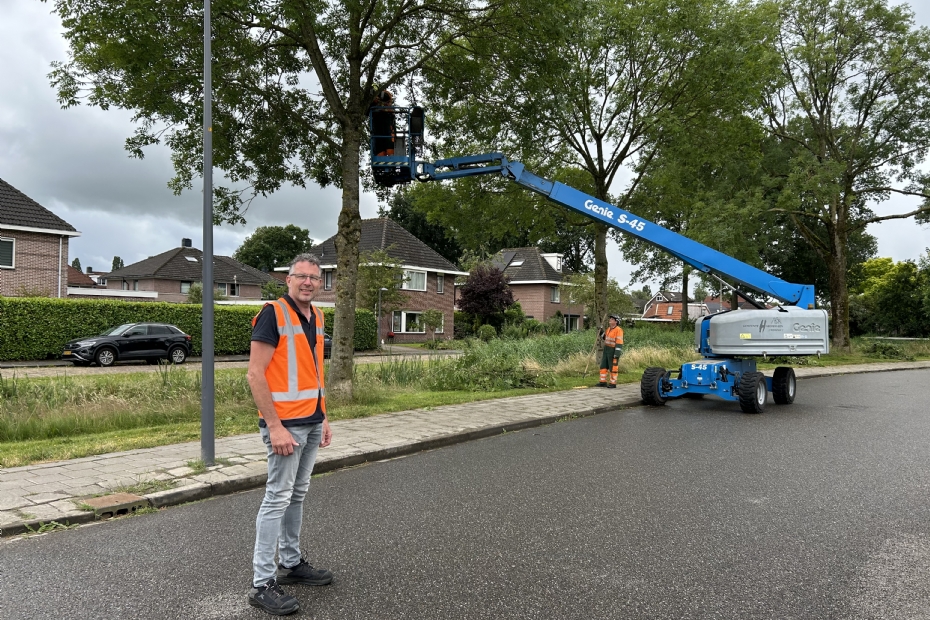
(66, 353)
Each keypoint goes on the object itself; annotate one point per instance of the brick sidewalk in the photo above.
(37, 494)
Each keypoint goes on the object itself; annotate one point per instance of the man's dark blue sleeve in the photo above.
(266, 327)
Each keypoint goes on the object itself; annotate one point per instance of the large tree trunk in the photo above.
(339, 381)
(600, 276)
(839, 295)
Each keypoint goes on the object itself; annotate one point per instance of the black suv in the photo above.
(131, 341)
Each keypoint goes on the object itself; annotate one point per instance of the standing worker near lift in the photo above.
(613, 349)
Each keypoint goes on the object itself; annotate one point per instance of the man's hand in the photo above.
(327, 434)
(282, 442)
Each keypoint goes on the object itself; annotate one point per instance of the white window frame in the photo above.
(328, 280)
(135, 285)
(220, 287)
(232, 289)
(12, 264)
(442, 325)
(403, 322)
(440, 283)
(407, 284)
(670, 310)
(554, 295)
(188, 290)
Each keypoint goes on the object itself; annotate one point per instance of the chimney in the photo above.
(185, 242)
(90, 270)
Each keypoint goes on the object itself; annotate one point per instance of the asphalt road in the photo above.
(694, 510)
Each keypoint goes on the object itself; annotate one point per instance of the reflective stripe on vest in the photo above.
(291, 401)
(613, 337)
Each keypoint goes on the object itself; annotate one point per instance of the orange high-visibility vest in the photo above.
(613, 336)
(294, 375)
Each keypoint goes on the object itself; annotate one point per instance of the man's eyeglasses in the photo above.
(300, 277)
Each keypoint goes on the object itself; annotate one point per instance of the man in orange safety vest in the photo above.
(613, 349)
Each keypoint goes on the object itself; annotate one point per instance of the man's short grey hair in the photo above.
(303, 258)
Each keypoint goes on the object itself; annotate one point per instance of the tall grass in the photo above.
(67, 406)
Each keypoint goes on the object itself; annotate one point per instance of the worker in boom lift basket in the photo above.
(613, 349)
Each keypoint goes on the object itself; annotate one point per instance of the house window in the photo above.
(554, 295)
(407, 323)
(186, 287)
(125, 285)
(219, 288)
(233, 289)
(442, 325)
(7, 251)
(414, 280)
(440, 282)
(669, 310)
(328, 280)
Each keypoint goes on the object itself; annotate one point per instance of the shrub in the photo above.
(487, 333)
(38, 328)
(464, 326)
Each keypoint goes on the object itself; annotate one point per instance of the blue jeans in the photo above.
(277, 527)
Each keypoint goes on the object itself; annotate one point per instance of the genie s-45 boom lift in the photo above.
(729, 342)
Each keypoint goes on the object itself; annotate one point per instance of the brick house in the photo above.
(535, 279)
(169, 276)
(428, 283)
(666, 307)
(33, 246)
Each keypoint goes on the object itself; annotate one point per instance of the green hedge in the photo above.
(37, 328)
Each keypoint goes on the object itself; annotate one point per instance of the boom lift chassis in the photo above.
(730, 342)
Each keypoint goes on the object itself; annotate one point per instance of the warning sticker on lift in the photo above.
(745, 336)
(793, 336)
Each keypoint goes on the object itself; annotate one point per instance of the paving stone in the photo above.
(10, 502)
(180, 472)
(43, 512)
(44, 498)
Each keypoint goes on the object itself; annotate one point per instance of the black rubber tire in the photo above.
(105, 356)
(784, 385)
(177, 355)
(752, 392)
(650, 386)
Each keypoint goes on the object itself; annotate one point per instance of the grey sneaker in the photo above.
(304, 574)
(271, 599)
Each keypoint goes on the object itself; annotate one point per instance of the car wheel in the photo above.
(752, 392)
(650, 386)
(177, 355)
(784, 385)
(105, 356)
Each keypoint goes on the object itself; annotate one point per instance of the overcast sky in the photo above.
(73, 163)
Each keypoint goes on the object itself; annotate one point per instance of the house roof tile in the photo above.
(525, 265)
(18, 209)
(78, 278)
(386, 234)
(185, 264)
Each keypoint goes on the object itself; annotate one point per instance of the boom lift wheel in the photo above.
(752, 392)
(784, 385)
(650, 386)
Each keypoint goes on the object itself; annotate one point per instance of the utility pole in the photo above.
(207, 404)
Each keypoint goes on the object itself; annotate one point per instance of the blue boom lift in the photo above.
(729, 342)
